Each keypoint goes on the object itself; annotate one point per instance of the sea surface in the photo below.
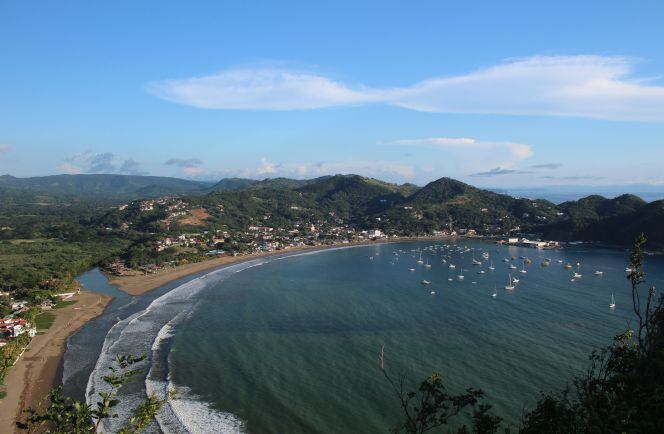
(291, 343)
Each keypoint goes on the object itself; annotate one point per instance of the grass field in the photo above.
(44, 320)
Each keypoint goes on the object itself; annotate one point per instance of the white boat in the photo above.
(491, 267)
(427, 265)
(452, 266)
(576, 275)
(523, 269)
(420, 261)
(515, 280)
(495, 292)
(598, 273)
(449, 278)
(481, 272)
(433, 292)
(425, 282)
(628, 270)
(613, 303)
(512, 267)
(461, 276)
(510, 284)
(411, 269)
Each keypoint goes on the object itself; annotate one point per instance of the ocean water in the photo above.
(291, 344)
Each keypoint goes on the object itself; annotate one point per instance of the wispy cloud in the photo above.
(547, 166)
(501, 171)
(519, 151)
(261, 89)
(590, 86)
(105, 162)
(5, 148)
(189, 166)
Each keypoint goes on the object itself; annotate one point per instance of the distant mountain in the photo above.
(614, 221)
(233, 184)
(106, 187)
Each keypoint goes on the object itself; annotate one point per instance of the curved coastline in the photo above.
(148, 331)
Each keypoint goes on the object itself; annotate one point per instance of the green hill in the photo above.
(101, 186)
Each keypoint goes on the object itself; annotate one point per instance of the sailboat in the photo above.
(420, 261)
(495, 292)
(510, 285)
(427, 265)
(515, 280)
(475, 261)
(523, 268)
(613, 303)
(576, 275)
(598, 273)
(461, 276)
(491, 267)
(512, 267)
(425, 282)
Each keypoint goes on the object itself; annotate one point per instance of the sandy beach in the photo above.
(36, 371)
(142, 283)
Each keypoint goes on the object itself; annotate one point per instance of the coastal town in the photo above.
(189, 234)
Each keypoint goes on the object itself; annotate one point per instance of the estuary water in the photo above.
(291, 343)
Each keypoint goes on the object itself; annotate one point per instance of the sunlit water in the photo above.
(291, 345)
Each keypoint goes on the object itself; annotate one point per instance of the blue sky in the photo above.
(497, 94)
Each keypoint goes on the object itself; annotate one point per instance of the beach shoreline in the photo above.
(39, 368)
(141, 284)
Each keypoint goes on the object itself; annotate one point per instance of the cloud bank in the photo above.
(598, 87)
(105, 163)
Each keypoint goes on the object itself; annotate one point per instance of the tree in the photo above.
(430, 405)
(67, 415)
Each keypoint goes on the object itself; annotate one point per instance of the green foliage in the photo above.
(44, 321)
(67, 415)
(623, 388)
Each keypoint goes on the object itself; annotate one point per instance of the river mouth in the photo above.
(244, 346)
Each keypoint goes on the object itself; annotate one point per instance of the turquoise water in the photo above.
(292, 345)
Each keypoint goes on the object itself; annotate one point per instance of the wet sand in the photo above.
(36, 372)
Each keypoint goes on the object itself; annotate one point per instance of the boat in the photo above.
(433, 292)
(420, 261)
(461, 276)
(613, 303)
(560, 261)
(427, 265)
(495, 292)
(481, 272)
(485, 255)
(523, 268)
(628, 270)
(449, 279)
(452, 266)
(546, 263)
(491, 267)
(528, 261)
(475, 261)
(425, 282)
(598, 273)
(510, 284)
(567, 266)
(411, 269)
(576, 275)
(515, 280)
(512, 267)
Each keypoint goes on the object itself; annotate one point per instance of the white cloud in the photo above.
(518, 151)
(601, 87)
(263, 89)
(377, 169)
(70, 169)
